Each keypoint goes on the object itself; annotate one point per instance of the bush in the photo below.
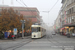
(1, 35)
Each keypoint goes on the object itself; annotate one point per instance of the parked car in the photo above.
(53, 33)
(73, 34)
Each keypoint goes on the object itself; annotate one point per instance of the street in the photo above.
(57, 42)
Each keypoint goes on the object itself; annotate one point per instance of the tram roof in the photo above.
(35, 26)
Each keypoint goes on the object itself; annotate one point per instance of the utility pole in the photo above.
(3, 2)
(22, 21)
(11, 2)
(48, 17)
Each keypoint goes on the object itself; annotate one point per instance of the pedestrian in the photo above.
(8, 34)
(13, 36)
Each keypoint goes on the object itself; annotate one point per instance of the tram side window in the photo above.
(42, 29)
(39, 29)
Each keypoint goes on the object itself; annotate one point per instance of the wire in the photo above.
(26, 6)
(53, 5)
(19, 3)
(42, 11)
(51, 9)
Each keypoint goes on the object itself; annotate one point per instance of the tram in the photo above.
(37, 31)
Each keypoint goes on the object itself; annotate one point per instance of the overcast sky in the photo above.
(41, 5)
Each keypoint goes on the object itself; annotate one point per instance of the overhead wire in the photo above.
(26, 6)
(19, 3)
(41, 11)
(51, 9)
(53, 5)
(23, 3)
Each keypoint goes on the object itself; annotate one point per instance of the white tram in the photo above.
(37, 31)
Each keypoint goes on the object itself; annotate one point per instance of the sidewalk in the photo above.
(67, 37)
(9, 40)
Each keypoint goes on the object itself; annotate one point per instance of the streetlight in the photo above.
(22, 21)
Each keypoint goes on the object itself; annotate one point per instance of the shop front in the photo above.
(66, 30)
(70, 29)
(62, 30)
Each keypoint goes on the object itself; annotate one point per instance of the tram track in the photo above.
(20, 44)
(53, 40)
(55, 44)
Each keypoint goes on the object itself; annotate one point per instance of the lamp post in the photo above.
(22, 21)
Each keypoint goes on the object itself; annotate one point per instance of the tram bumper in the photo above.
(34, 35)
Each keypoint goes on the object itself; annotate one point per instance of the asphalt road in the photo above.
(49, 42)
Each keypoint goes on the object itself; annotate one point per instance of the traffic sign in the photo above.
(15, 31)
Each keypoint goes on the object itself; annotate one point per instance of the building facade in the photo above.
(27, 12)
(63, 12)
(58, 23)
(67, 16)
(71, 16)
(71, 11)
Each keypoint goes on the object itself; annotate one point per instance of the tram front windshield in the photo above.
(35, 29)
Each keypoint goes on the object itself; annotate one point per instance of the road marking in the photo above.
(43, 42)
(42, 49)
(66, 42)
(69, 49)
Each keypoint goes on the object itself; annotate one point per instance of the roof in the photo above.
(35, 26)
(26, 11)
(22, 8)
(4, 6)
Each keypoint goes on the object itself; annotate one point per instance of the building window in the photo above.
(70, 11)
(72, 17)
(0, 9)
(72, 1)
(68, 19)
(67, 11)
(73, 9)
(69, 1)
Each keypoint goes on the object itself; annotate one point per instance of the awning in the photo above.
(62, 28)
(70, 25)
(66, 27)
